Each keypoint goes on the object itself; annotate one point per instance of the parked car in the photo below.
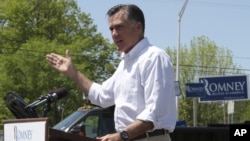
(89, 122)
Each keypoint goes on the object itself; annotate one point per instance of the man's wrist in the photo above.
(72, 72)
(124, 135)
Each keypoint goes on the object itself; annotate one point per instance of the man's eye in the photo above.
(119, 27)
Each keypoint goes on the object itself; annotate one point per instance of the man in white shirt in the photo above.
(142, 87)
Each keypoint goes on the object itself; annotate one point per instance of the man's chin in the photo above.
(120, 49)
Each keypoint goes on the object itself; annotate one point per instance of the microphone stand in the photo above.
(31, 112)
(46, 109)
(30, 108)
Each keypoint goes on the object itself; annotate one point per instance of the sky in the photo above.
(225, 22)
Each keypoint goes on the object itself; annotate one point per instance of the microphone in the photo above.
(51, 97)
(16, 105)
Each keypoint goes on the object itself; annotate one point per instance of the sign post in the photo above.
(195, 90)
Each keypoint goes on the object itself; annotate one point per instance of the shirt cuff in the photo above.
(93, 93)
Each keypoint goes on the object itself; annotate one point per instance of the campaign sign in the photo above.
(195, 90)
(30, 129)
(225, 88)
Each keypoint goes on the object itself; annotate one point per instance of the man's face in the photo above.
(125, 33)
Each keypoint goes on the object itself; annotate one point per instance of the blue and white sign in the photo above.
(225, 88)
(195, 90)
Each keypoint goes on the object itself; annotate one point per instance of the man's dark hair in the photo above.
(133, 13)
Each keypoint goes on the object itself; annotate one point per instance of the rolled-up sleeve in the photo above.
(158, 79)
(101, 95)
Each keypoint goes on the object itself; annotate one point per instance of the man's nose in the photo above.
(114, 33)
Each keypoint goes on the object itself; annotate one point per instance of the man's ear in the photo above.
(139, 26)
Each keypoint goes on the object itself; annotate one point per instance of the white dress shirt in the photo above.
(141, 88)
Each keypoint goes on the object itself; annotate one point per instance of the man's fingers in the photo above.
(52, 58)
(49, 57)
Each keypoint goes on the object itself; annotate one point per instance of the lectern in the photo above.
(57, 135)
(36, 129)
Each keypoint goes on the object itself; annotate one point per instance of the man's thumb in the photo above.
(67, 54)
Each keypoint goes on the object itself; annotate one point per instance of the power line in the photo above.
(26, 54)
(218, 4)
(62, 53)
(77, 55)
(214, 4)
(214, 67)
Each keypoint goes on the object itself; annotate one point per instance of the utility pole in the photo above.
(178, 53)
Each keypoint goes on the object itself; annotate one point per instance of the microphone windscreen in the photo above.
(61, 92)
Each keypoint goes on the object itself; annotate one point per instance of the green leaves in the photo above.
(30, 29)
(202, 58)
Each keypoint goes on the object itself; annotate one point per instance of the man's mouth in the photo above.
(118, 42)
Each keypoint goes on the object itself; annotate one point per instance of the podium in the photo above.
(57, 135)
(37, 129)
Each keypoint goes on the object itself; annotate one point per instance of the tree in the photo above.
(202, 58)
(32, 28)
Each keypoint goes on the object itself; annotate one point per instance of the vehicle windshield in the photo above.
(68, 120)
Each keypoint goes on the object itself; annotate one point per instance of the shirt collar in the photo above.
(142, 44)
